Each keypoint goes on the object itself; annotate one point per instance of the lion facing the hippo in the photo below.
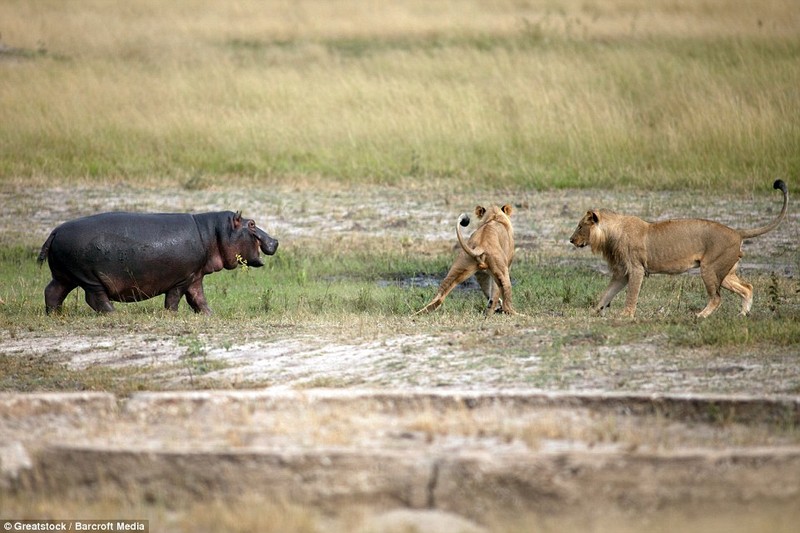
(634, 248)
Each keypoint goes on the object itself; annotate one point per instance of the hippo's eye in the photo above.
(251, 224)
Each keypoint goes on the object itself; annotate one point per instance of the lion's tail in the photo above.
(748, 233)
(475, 253)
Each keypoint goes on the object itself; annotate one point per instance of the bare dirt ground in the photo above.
(393, 418)
(543, 220)
(453, 461)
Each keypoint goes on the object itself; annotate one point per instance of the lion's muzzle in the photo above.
(576, 241)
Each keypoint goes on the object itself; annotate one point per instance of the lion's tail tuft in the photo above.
(748, 233)
(463, 221)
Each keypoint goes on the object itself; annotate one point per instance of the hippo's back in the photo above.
(97, 236)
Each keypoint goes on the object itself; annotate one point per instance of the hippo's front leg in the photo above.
(197, 298)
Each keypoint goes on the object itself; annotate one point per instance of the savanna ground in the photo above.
(355, 133)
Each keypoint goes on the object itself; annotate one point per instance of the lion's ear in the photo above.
(480, 211)
(595, 216)
(507, 209)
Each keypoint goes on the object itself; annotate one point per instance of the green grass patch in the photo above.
(723, 331)
(306, 285)
(361, 292)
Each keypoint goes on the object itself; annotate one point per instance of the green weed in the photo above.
(196, 359)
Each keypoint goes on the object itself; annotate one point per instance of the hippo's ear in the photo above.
(237, 220)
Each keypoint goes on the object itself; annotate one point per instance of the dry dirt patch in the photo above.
(414, 360)
(543, 220)
(483, 457)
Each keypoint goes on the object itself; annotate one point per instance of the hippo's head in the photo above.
(246, 239)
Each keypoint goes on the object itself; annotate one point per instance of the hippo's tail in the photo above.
(45, 249)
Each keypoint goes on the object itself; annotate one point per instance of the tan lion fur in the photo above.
(488, 254)
(634, 248)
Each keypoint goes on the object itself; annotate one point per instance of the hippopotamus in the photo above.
(129, 257)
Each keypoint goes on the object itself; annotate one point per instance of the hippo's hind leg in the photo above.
(98, 300)
(173, 298)
(54, 295)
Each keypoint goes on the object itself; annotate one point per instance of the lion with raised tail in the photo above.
(488, 254)
(634, 248)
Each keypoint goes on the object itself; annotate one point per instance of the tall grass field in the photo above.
(661, 94)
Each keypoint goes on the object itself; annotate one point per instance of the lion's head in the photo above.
(583, 233)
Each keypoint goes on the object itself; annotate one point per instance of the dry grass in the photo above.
(559, 94)
(91, 26)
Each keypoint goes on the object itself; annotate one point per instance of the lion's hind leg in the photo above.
(713, 283)
(486, 281)
(734, 283)
(457, 274)
(714, 301)
(714, 273)
(502, 280)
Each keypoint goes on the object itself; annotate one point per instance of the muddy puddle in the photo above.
(426, 281)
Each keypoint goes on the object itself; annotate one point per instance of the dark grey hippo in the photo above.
(128, 257)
